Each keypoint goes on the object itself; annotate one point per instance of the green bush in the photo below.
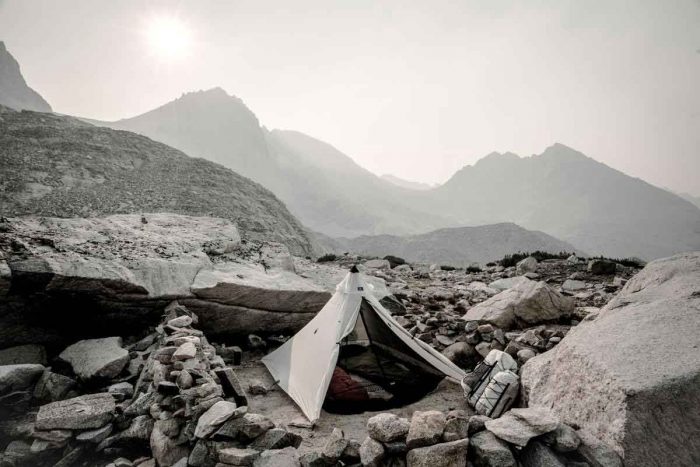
(515, 258)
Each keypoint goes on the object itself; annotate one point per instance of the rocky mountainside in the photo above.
(14, 91)
(458, 246)
(406, 183)
(323, 187)
(566, 194)
(60, 166)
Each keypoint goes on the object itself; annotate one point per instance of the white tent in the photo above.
(303, 365)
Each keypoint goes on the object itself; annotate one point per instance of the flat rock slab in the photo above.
(96, 358)
(631, 375)
(80, 413)
(251, 286)
(452, 454)
(518, 426)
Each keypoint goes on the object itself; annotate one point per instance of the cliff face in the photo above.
(14, 91)
(61, 167)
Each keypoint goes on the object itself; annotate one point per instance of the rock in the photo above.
(79, 413)
(335, 445)
(371, 453)
(507, 283)
(526, 265)
(313, 459)
(184, 380)
(139, 430)
(596, 452)
(53, 387)
(95, 436)
(213, 418)
(613, 375)
(287, 457)
(462, 354)
(185, 352)
(96, 358)
(563, 439)
(180, 321)
(524, 355)
(451, 454)
(602, 267)
(35, 354)
(121, 391)
(518, 426)
(529, 302)
(166, 450)
(387, 427)
(20, 377)
(571, 285)
(426, 428)
(276, 438)
(455, 429)
(246, 427)
(485, 450)
(537, 454)
(477, 423)
(238, 456)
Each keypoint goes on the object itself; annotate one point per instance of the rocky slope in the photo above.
(60, 166)
(459, 246)
(14, 91)
(406, 183)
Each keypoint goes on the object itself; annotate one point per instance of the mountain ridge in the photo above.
(14, 90)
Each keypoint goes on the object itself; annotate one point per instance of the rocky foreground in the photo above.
(134, 340)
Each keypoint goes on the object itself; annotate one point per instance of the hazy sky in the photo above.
(414, 88)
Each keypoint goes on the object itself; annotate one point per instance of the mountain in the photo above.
(324, 188)
(62, 167)
(406, 183)
(14, 92)
(458, 246)
(688, 197)
(573, 197)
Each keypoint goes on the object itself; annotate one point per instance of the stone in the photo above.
(477, 423)
(507, 283)
(231, 385)
(387, 427)
(518, 426)
(571, 285)
(246, 427)
(528, 302)
(371, 453)
(450, 454)
(139, 429)
(377, 264)
(613, 375)
(426, 428)
(79, 413)
(19, 377)
(96, 358)
(524, 355)
(598, 453)
(276, 438)
(485, 450)
(537, 454)
(563, 439)
(455, 429)
(462, 354)
(287, 457)
(335, 445)
(184, 380)
(57, 438)
(213, 418)
(121, 391)
(165, 449)
(185, 352)
(238, 456)
(601, 267)
(351, 455)
(313, 459)
(35, 354)
(95, 436)
(526, 265)
(180, 321)
(257, 388)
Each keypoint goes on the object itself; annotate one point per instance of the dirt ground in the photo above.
(279, 408)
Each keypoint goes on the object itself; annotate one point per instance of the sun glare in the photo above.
(168, 37)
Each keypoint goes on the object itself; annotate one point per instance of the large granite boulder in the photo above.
(527, 303)
(631, 374)
(80, 413)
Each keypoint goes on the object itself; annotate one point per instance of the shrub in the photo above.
(327, 258)
(515, 258)
(445, 267)
(473, 268)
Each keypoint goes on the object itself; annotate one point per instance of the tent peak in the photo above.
(354, 269)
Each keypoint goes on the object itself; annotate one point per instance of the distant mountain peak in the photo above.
(14, 91)
(560, 150)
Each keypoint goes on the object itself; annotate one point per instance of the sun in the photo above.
(168, 37)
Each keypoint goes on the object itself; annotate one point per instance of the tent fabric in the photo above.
(303, 366)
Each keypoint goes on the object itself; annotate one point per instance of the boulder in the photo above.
(563, 439)
(526, 265)
(485, 450)
(23, 354)
(537, 454)
(276, 438)
(238, 456)
(462, 354)
(21, 377)
(377, 264)
(601, 266)
(518, 426)
(287, 457)
(598, 453)
(572, 285)
(213, 418)
(426, 428)
(371, 452)
(79, 413)
(335, 445)
(632, 374)
(456, 428)
(451, 454)
(528, 302)
(507, 282)
(53, 387)
(252, 286)
(387, 427)
(96, 358)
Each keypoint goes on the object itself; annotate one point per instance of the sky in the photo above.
(413, 88)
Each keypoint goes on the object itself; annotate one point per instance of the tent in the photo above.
(354, 330)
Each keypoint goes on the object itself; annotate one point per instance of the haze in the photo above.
(415, 89)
